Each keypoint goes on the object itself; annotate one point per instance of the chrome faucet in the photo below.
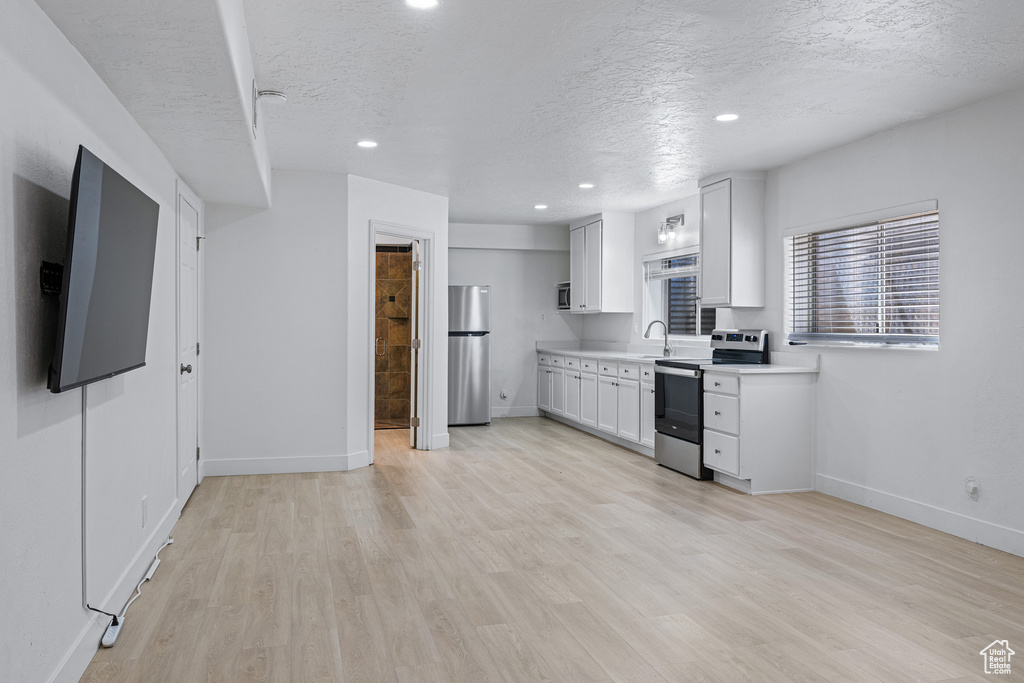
(647, 335)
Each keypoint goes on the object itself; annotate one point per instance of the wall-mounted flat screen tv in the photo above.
(103, 323)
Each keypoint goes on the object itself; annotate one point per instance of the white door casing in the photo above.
(188, 224)
(425, 322)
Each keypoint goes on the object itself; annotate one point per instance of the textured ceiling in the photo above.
(504, 105)
(169, 64)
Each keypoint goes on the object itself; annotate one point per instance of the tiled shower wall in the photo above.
(392, 317)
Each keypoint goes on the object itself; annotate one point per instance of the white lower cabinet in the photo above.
(607, 404)
(607, 398)
(544, 388)
(551, 389)
(588, 399)
(758, 430)
(647, 414)
(557, 391)
(572, 395)
(629, 409)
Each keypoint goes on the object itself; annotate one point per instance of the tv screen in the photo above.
(103, 321)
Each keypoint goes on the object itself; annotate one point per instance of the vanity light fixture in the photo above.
(667, 230)
(367, 144)
(727, 117)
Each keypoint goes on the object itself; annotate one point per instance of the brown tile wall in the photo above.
(392, 322)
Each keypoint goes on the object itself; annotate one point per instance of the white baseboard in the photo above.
(630, 445)
(78, 657)
(286, 464)
(515, 411)
(977, 530)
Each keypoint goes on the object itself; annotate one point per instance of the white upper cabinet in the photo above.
(601, 264)
(732, 240)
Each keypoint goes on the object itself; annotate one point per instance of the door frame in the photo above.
(425, 297)
(182, 191)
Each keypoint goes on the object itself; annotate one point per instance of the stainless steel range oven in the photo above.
(679, 398)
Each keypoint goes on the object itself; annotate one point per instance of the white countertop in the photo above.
(799, 363)
(610, 355)
(773, 369)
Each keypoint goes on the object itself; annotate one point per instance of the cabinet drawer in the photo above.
(572, 363)
(588, 365)
(722, 384)
(558, 361)
(722, 413)
(629, 371)
(646, 373)
(606, 368)
(722, 452)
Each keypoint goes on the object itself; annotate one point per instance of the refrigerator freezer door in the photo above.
(469, 308)
(469, 380)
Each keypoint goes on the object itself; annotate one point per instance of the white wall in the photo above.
(524, 309)
(275, 331)
(53, 103)
(902, 430)
(372, 200)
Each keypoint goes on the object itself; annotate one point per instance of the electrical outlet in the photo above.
(145, 506)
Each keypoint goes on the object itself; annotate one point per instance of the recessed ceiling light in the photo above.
(367, 143)
(540, 206)
(422, 4)
(727, 117)
(586, 186)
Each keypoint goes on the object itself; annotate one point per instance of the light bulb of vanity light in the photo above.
(540, 207)
(366, 144)
(727, 117)
(422, 4)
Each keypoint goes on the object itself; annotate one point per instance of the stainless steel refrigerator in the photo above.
(469, 354)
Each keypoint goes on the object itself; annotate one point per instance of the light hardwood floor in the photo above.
(530, 551)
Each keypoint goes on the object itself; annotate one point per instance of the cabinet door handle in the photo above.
(718, 384)
(625, 372)
(652, 391)
(717, 413)
(718, 452)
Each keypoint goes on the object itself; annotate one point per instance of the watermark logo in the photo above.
(997, 657)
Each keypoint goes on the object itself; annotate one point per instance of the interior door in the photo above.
(414, 325)
(188, 345)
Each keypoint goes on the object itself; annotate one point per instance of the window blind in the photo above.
(677, 277)
(876, 282)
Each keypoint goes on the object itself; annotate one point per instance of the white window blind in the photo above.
(676, 278)
(876, 283)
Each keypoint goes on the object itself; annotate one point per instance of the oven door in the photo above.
(677, 402)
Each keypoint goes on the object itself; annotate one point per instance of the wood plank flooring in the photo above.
(529, 551)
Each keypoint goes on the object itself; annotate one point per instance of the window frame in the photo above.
(855, 340)
(664, 284)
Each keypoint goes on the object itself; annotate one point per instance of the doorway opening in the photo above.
(394, 317)
(420, 351)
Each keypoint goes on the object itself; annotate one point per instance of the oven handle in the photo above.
(678, 372)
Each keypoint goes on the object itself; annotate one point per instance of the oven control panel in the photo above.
(740, 340)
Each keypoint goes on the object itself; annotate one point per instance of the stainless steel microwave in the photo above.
(563, 296)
